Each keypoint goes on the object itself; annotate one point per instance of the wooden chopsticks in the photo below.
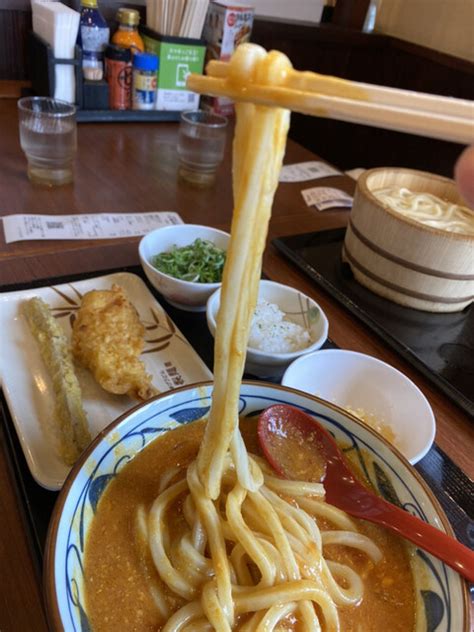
(182, 18)
(429, 115)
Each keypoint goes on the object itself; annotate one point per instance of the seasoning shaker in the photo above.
(145, 68)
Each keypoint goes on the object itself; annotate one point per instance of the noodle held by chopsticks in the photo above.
(259, 147)
(251, 552)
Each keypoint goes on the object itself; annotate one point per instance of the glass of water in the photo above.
(201, 144)
(49, 139)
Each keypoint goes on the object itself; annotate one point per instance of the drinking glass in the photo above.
(49, 139)
(201, 144)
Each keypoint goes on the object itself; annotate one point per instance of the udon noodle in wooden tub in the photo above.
(410, 239)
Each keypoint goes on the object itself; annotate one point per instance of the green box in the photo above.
(179, 56)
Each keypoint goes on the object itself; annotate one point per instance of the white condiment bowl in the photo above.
(298, 307)
(358, 381)
(185, 295)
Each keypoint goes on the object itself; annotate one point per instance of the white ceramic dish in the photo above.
(441, 594)
(27, 386)
(298, 307)
(185, 295)
(358, 381)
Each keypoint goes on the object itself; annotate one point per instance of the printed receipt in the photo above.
(93, 226)
(324, 198)
(303, 171)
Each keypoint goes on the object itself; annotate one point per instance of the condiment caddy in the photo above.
(146, 72)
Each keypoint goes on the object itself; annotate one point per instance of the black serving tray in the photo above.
(451, 486)
(441, 346)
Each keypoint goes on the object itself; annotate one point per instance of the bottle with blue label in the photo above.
(93, 37)
(145, 68)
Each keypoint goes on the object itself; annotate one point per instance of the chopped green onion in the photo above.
(200, 262)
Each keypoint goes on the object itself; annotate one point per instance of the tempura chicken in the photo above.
(108, 338)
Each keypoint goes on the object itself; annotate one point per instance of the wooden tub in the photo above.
(397, 257)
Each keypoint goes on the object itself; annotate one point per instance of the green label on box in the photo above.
(177, 61)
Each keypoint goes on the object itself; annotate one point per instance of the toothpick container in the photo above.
(410, 263)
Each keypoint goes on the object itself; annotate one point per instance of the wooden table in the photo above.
(132, 167)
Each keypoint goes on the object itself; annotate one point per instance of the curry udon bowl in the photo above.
(441, 595)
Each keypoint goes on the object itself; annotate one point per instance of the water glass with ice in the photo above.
(201, 144)
(49, 139)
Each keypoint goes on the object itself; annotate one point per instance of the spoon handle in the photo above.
(427, 537)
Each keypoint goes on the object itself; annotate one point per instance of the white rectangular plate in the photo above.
(168, 356)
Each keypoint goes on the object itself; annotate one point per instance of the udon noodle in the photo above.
(428, 209)
(251, 554)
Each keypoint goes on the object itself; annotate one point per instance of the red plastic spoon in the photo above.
(285, 431)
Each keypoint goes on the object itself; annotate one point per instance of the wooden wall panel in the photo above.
(322, 48)
(377, 59)
(14, 27)
(416, 68)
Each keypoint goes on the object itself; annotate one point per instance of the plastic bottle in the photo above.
(127, 34)
(145, 67)
(93, 37)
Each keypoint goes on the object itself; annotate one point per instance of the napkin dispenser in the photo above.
(58, 25)
(43, 65)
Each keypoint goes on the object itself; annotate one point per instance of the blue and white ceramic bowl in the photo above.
(442, 596)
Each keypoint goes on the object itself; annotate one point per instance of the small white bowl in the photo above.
(358, 381)
(185, 295)
(298, 307)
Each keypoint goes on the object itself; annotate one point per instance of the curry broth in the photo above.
(117, 580)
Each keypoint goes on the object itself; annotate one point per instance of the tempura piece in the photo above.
(108, 338)
(70, 419)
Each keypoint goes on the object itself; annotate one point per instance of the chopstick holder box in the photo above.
(179, 56)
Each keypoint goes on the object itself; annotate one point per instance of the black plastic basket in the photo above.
(92, 97)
